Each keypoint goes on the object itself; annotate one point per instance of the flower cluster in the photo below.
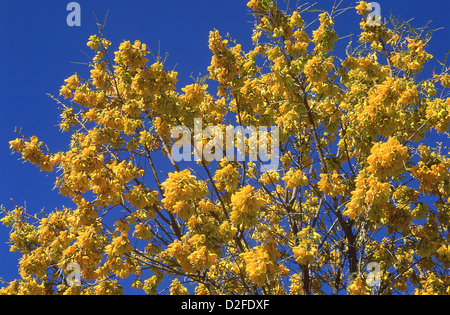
(387, 158)
(358, 179)
(181, 190)
(260, 263)
(306, 251)
(245, 206)
(295, 178)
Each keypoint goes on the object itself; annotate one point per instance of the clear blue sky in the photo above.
(37, 49)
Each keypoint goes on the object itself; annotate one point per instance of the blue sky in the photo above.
(38, 50)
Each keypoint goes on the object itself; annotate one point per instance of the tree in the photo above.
(359, 204)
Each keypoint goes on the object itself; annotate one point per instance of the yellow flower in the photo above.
(227, 178)
(94, 42)
(253, 4)
(270, 178)
(180, 190)
(304, 254)
(295, 20)
(331, 185)
(358, 287)
(176, 288)
(387, 158)
(316, 69)
(245, 206)
(362, 8)
(16, 145)
(295, 178)
(445, 80)
(142, 231)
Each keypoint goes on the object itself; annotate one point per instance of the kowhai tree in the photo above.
(362, 180)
